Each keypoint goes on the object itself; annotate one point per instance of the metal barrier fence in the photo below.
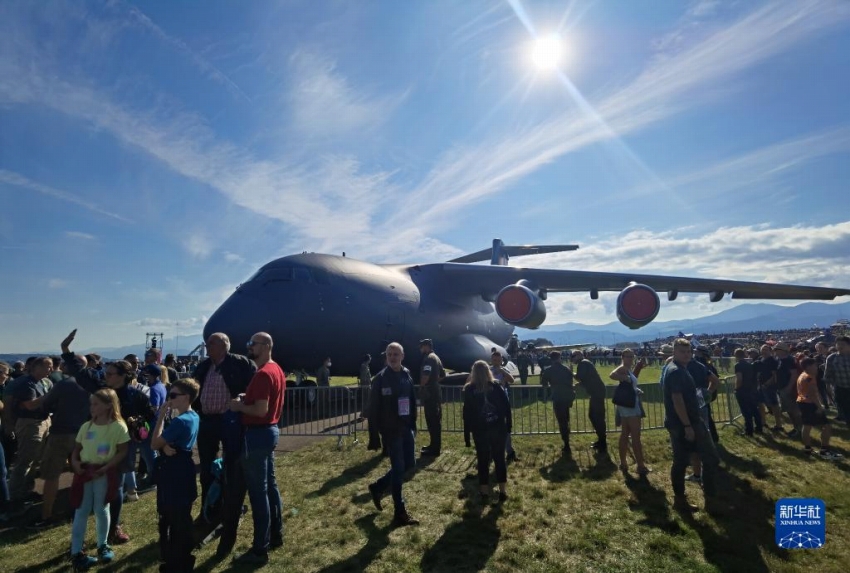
(337, 410)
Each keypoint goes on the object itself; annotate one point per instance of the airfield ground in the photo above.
(561, 516)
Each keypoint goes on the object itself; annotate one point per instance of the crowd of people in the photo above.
(102, 417)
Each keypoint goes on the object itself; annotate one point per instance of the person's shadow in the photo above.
(468, 544)
(348, 475)
(652, 502)
(377, 540)
(562, 469)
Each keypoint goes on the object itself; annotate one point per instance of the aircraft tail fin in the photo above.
(500, 253)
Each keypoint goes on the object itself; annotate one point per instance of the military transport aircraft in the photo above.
(317, 306)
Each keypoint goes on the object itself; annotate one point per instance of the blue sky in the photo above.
(153, 155)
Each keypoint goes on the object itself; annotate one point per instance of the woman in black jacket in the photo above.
(487, 416)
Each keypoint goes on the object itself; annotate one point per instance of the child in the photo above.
(176, 491)
(101, 446)
(812, 411)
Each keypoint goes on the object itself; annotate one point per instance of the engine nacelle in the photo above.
(637, 305)
(519, 305)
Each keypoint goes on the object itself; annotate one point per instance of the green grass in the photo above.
(561, 515)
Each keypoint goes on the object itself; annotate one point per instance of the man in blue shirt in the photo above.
(176, 491)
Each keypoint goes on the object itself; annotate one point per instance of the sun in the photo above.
(547, 52)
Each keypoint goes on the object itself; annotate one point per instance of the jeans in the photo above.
(562, 414)
(596, 413)
(749, 410)
(489, 445)
(209, 438)
(682, 450)
(116, 505)
(258, 465)
(4, 485)
(401, 450)
(150, 462)
(94, 501)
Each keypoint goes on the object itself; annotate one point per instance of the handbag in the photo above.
(625, 395)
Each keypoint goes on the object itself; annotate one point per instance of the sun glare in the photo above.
(546, 52)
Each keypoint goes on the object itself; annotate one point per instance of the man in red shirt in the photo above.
(260, 407)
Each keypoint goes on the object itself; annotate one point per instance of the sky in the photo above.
(153, 155)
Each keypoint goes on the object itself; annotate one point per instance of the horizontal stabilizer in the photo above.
(499, 253)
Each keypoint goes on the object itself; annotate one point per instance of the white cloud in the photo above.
(171, 323)
(324, 103)
(809, 255)
(197, 245)
(18, 180)
(79, 235)
(466, 176)
(57, 283)
(233, 257)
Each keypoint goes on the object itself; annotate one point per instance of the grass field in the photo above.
(562, 515)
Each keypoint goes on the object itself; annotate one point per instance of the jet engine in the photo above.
(637, 305)
(521, 304)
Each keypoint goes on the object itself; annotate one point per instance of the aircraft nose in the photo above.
(240, 317)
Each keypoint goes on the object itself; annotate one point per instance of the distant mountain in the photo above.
(187, 344)
(744, 318)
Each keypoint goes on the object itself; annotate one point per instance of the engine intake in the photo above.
(520, 306)
(637, 305)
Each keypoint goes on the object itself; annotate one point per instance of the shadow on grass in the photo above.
(349, 475)
(377, 540)
(62, 562)
(603, 468)
(468, 544)
(743, 532)
(752, 466)
(652, 502)
(560, 470)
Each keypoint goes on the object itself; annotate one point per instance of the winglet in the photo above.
(500, 253)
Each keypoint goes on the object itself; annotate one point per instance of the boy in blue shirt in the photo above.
(175, 434)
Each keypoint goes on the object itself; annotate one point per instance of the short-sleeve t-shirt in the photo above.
(589, 378)
(677, 380)
(807, 389)
(765, 368)
(748, 376)
(182, 432)
(432, 367)
(783, 372)
(158, 394)
(269, 383)
(100, 441)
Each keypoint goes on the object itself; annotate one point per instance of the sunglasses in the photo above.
(254, 343)
(174, 395)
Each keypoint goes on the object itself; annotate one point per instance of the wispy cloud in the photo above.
(197, 322)
(140, 19)
(197, 245)
(324, 103)
(233, 257)
(79, 235)
(57, 283)
(668, 86)
(17, 180)
(802, 254)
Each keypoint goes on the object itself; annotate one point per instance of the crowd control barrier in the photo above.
(338, 411)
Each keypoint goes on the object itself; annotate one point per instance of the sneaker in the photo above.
(503, 497)
(831, 456)
(131, 496)
(42, 524)
(83, 562)
(376, 496)
(118, 536)
(276, 541)
(105, 553)
(252, 557)
(429, 451)
(601, 446)
(511, 457)
(694, 478)
(682, 504)
(403, 519)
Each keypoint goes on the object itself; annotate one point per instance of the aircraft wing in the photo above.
(489, 280)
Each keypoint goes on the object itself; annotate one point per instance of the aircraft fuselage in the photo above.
(315, 306)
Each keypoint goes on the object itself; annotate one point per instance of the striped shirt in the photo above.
(837, 370)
